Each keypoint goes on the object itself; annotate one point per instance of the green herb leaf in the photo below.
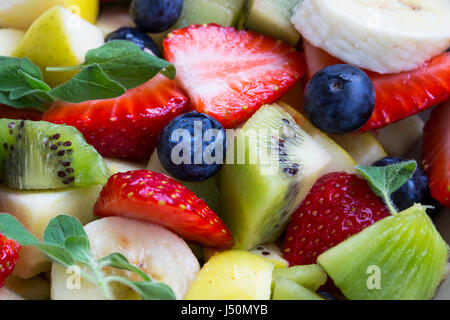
(119, 261)
(11, 228)
(148, 290)
(79, 248)
(61, 228)
(56, 254)
(385, 180)
(21, 84)
(126, 63)
(91, 83)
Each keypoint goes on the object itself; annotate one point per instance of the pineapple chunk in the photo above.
(233, 275)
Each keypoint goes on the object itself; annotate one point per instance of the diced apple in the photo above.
(233, 275)
(59, 38)
(9, 40)
(363, 147)
(113, 18)
(399, 137)
(6, 294)
(36, 288)
(20, 14)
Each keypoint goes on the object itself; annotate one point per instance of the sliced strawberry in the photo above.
(23, 114)
(436, 153)
(126, 127)
(398, 95)
(338, 206)
(229, 74)
(154, 197)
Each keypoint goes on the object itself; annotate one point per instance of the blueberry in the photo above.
(326, 295)
(192, 146)
(339, 99)
(135, 35)
(414, 190)
(155, 15)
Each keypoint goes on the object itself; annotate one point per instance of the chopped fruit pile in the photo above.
(338, 206)
(224, 149)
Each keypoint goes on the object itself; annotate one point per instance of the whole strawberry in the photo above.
(338, 206)
(9, 255)
(154, 197)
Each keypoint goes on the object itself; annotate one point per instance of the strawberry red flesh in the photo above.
(339, 205)
(397, 95)
(9, 255)
(154, 197)
(128, 126)
(229, 74)
(436, 153)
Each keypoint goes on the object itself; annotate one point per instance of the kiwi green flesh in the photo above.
(257, 203)
(273, 18)
(223, 12)
(285, 289)
(43, 155)
(309, 276)
(406, 250)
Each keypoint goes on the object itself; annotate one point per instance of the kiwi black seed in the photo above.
(35, 155)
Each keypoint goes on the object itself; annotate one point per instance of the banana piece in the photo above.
(161, 254)
(385, 36)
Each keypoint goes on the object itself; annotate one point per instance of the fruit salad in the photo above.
(224, 149)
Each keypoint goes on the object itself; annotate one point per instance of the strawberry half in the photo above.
(154, 197)
(9, 255)
(229, 74)
(398, 95)
(22, 114)
(128, 126)
(339, 205)
(436, 153)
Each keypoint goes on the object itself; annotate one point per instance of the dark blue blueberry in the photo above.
(155, 15)
(326, 295)
(135, 35)
(414, 190)
(339, 99)
(192, 146)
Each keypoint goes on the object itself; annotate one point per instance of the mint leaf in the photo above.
(79, 248)
(21, 84)
(126, 63)
(56, 254)
(11, 228)
(385, 180)
(148, 290)
(61, 228)
(119, 261)
(91, 83)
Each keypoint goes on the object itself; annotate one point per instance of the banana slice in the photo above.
(161, 254)
(385, 36)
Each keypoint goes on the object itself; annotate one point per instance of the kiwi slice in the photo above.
(285, 289)
(310, 276)
(273, 18)
(272, 253)
(399, 257)
(43, 155)
(269, 170)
